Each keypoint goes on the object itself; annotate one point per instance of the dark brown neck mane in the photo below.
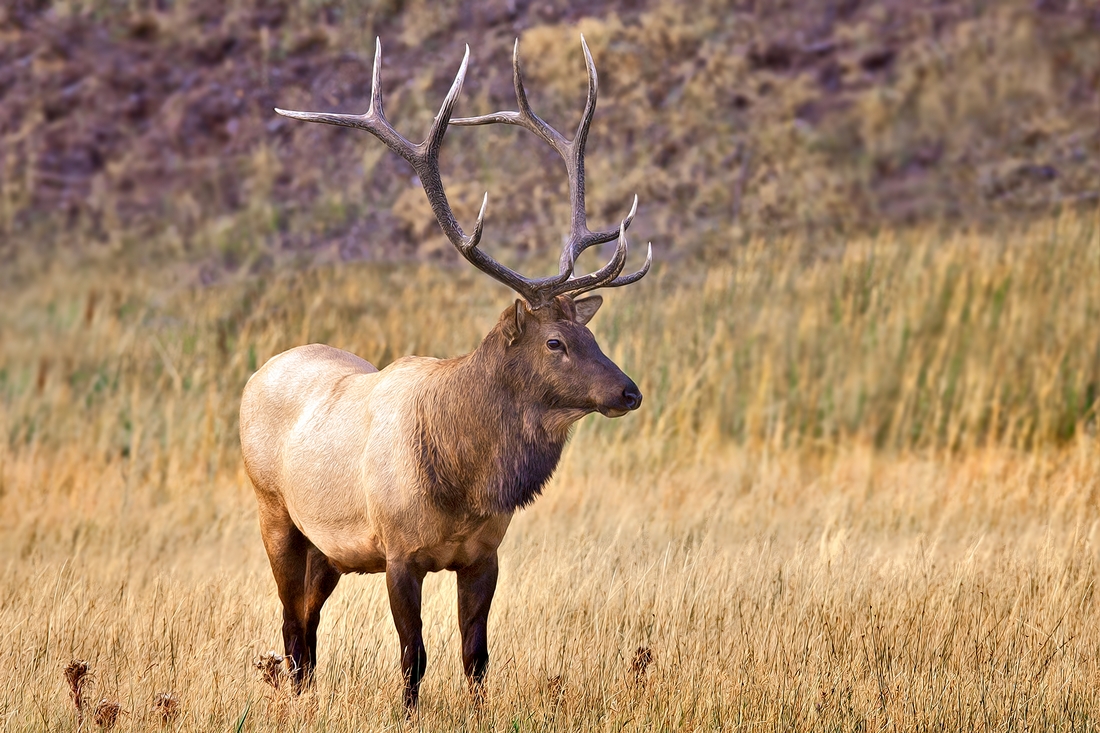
(488, 441)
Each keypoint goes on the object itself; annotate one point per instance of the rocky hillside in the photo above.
(143, 132)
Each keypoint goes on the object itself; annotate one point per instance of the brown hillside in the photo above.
(143, 131)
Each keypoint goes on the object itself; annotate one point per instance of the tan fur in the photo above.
(308, 418)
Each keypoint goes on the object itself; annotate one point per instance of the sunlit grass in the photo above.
(862, 492)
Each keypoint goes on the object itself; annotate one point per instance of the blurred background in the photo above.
(138, 133)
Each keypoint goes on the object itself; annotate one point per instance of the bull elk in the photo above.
(419, 467)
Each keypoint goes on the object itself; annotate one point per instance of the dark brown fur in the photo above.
(492, 430)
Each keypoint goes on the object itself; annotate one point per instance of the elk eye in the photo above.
(554, 345)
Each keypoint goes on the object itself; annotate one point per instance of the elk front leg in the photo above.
(476, 586)
(404, 582)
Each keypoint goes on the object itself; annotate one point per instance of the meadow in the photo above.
(862, 494)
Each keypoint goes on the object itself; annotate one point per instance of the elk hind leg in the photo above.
(305, 579)
(321, 580)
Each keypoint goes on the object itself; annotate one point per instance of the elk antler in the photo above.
(424, 158)
(572, 152)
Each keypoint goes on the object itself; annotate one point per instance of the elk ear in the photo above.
(514, 321)
(586, 308)
(563, 308)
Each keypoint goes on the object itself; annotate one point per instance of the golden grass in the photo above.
(862, 493)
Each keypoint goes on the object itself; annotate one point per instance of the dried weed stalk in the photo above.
(271, 668)
(167, 707)
(643, 657)
(106, 713)
(555, 689)
(76, 674)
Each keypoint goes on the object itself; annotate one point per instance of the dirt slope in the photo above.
(147, 134)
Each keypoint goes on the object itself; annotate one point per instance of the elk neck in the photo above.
(488, 441)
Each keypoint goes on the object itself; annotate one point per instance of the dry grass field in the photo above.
(862, 494)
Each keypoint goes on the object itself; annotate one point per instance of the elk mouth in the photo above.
(612, 411)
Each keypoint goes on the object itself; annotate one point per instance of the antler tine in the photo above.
(609, 273)
(580, 140)
(593, 280)
(618, 282)
(439, 125)
(525, 117)
(376, 82)
(491, 267)
(374, 121)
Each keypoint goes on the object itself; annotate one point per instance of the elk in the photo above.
(419, 467)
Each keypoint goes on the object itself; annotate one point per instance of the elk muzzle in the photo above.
(628, 400)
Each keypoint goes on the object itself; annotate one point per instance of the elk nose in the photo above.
(632, 397)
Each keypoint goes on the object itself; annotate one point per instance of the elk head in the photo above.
(549, 351)
(550, 354)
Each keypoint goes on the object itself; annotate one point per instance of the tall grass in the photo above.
(902, 341)
(861, 492)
